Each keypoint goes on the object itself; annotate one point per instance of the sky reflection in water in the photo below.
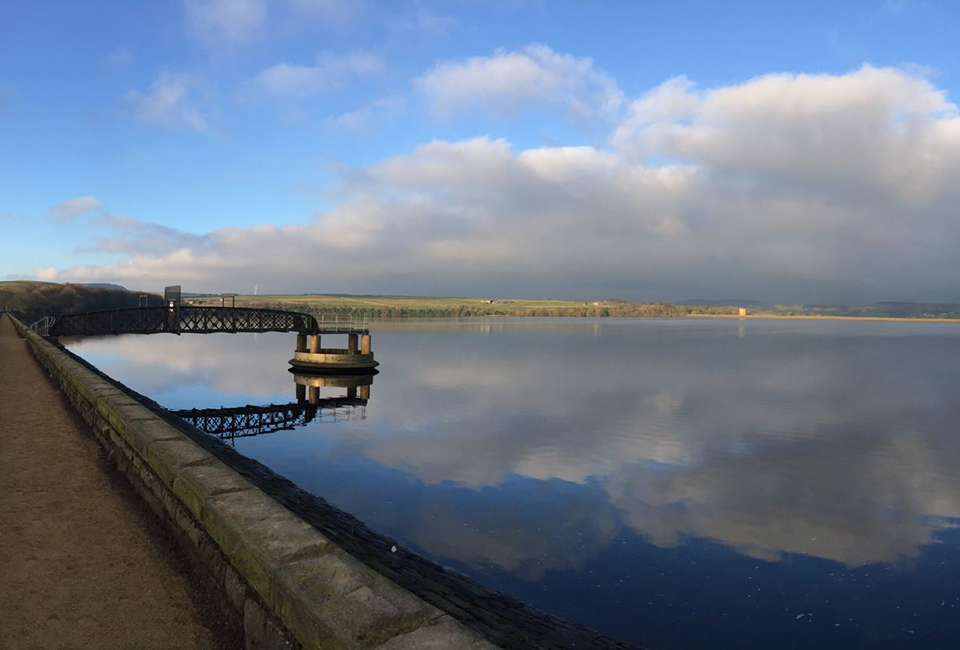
(681, 484)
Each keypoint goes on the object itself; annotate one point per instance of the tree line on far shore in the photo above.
(654, 309)
(32, 300)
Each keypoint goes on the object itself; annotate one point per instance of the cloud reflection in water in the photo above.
(521, 449)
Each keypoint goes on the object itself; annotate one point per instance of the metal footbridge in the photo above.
(184, 319)
(176, 318)
(248, 421)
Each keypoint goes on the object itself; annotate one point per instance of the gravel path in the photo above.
(83, 563)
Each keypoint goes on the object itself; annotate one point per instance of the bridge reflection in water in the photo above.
(246, 421)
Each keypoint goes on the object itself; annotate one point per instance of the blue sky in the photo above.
(568, 149)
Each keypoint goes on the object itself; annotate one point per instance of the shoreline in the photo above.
(894, 319)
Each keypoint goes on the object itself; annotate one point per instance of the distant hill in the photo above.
(32, 300)
(105, 285)
(757, 305)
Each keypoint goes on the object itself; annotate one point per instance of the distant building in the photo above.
(743, 312)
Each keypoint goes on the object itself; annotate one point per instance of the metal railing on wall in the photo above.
(43, 325)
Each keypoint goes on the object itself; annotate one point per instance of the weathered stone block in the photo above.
(197, 483)
(149, 481)
(258, 536)
(337, 595)
(170, 503)
(120, 410)
(166, 457)
(442, 634)
(210, 555)
(188, 526)
(84, 381)
(259, 630)
(140, 434)
(235, 588)
(153, 502)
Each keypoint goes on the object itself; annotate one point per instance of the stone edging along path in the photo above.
(293, 570)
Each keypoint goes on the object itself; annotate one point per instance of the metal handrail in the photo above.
(354, 324)
(183, 319)
(197, 319)
(42, 326)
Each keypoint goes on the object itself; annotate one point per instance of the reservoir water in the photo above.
(674, 483)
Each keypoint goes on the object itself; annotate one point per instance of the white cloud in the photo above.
(364, 119)
(74, 207)
(172, 101)
(46, 273)
(882, 130)
(128, 235)
(219, 23)
(507, 82)
(818, 188)
(742, 477)
(328, 72)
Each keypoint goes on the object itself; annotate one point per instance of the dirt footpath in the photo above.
(83, 563)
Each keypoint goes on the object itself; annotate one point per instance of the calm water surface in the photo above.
(675, 483)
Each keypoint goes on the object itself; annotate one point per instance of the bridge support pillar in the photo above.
(365, 344)
(314, 395)
(315, 343)
(352, 392)
(352, 343)
(365, 392)
(301, 342)
(301, 393)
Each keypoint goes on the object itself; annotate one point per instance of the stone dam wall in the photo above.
(291, 570)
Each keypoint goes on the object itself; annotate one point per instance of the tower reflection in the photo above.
(254, 420)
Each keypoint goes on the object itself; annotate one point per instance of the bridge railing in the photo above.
(337, 325)
(245, 421)
(137, 320)
(205, 320)
(43, 325)
(182, 319)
